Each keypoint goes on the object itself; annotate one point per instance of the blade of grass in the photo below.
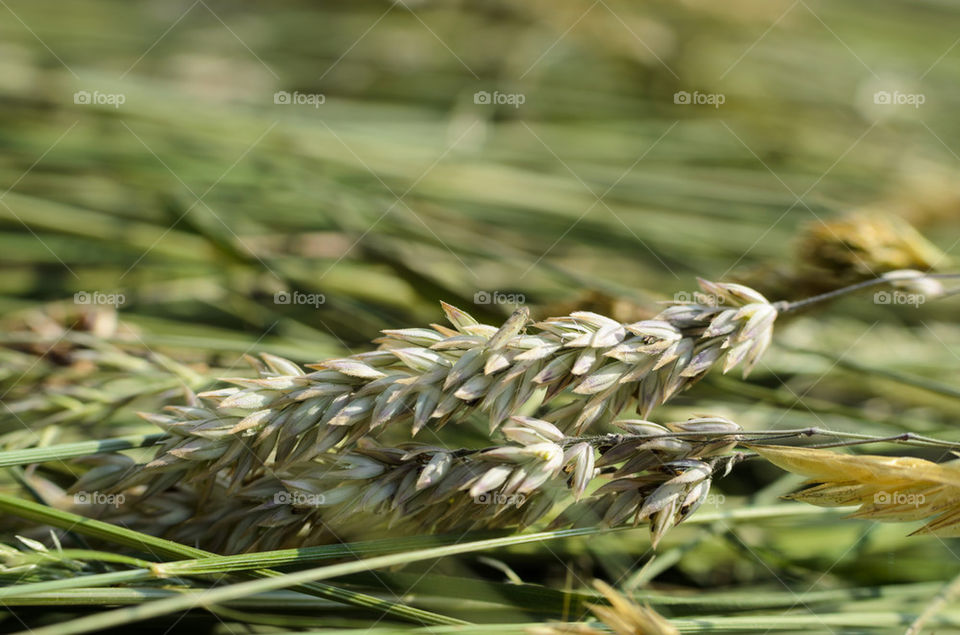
(81, 448)
(243, 589)
(93, 580)
(112, 533)
(719, 624)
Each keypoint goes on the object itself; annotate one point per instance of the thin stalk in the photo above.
(87, 555)
(127, 595)
(82, 448)
(755, 436)
(678, 604)
(240, 562)
(818, 622)
(946, 595)
(94, 580)
(785, 306)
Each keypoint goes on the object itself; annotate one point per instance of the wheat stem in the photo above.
(786, 306)
(946, 595)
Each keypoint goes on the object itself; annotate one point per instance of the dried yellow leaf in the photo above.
(887, 489)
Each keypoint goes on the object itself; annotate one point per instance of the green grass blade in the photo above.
(162, 547)
(81, 448)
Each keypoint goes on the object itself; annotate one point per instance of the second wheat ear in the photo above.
(645, 474)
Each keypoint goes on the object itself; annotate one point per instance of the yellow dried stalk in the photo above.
(623, 616)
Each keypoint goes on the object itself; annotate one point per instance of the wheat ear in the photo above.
(430, 376)
(654, 473)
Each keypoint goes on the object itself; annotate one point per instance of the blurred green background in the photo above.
(198, 197)
(294, 178)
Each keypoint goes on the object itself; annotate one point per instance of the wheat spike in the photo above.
(430, 376)
(649, 474)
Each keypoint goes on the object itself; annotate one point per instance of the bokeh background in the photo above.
(198, 197)
(239, 178)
